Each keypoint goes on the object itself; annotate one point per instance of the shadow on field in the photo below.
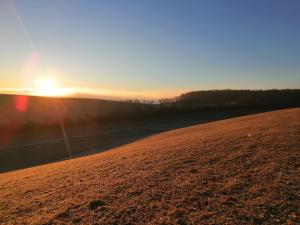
(31, 148)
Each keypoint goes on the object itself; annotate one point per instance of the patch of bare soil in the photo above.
(236, 171)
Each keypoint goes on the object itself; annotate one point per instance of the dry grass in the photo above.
(237, 171)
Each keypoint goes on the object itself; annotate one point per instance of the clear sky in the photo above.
(152, 48)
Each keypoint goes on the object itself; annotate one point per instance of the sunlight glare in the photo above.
(48, 87)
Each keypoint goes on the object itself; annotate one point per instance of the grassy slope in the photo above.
(212, 174)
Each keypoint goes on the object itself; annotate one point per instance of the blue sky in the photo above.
(151, 47)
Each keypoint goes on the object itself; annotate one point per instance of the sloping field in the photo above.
(236, 171)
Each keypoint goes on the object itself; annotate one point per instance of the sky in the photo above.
(149, 49)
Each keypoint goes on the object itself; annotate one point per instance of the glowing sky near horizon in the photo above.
(149, 48)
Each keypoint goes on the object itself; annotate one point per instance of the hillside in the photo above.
(236, 171)
(19, 112)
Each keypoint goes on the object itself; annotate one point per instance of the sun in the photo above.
(47, 87)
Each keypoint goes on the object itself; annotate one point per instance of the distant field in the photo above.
(34, 112)
(243, 170)
(30, 132)
(26, 148)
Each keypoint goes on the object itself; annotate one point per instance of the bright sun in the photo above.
(47, 87)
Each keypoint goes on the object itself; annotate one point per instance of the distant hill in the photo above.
(237, 171)
(28, 111)
(18, 110)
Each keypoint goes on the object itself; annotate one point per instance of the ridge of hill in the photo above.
(243, 170)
